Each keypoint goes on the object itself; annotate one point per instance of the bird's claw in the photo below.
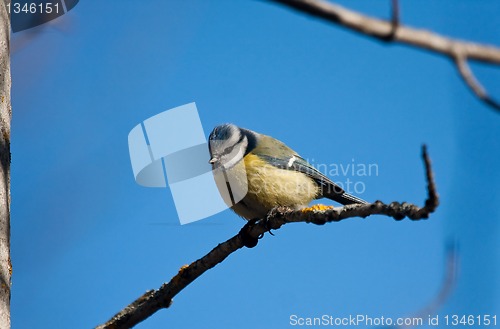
(248, 240)
(267, 226)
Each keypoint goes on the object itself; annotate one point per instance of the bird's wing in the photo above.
(295, 162)
(329, 189)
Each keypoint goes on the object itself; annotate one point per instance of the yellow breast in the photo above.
(257, 187)
(269, 186)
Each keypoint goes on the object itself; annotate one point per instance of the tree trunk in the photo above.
(5, 117)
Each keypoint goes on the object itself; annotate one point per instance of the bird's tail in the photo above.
(344, 198)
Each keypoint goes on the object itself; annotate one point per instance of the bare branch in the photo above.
(154, 300)
(392, 31)
(471, 81)
(448, 285)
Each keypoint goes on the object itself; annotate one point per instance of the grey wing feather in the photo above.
(329, 189)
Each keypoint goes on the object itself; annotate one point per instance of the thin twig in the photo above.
(447, 287)
(470, 80)
(396, 14)
(395, 19)
(154, 300)
(457, 50)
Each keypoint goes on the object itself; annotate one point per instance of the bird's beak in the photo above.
(213, 160)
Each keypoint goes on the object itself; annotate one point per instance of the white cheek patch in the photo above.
(291, 161)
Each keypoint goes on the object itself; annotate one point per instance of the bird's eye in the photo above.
(228, 150)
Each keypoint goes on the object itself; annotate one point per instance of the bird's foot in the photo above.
(275, 212)
(248, 240)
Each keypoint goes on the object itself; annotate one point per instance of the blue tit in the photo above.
(266, 173)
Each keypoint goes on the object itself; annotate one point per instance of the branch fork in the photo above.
(392, 31)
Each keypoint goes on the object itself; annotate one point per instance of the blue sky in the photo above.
(87, 240)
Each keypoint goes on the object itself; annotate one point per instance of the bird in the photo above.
(262, 173)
